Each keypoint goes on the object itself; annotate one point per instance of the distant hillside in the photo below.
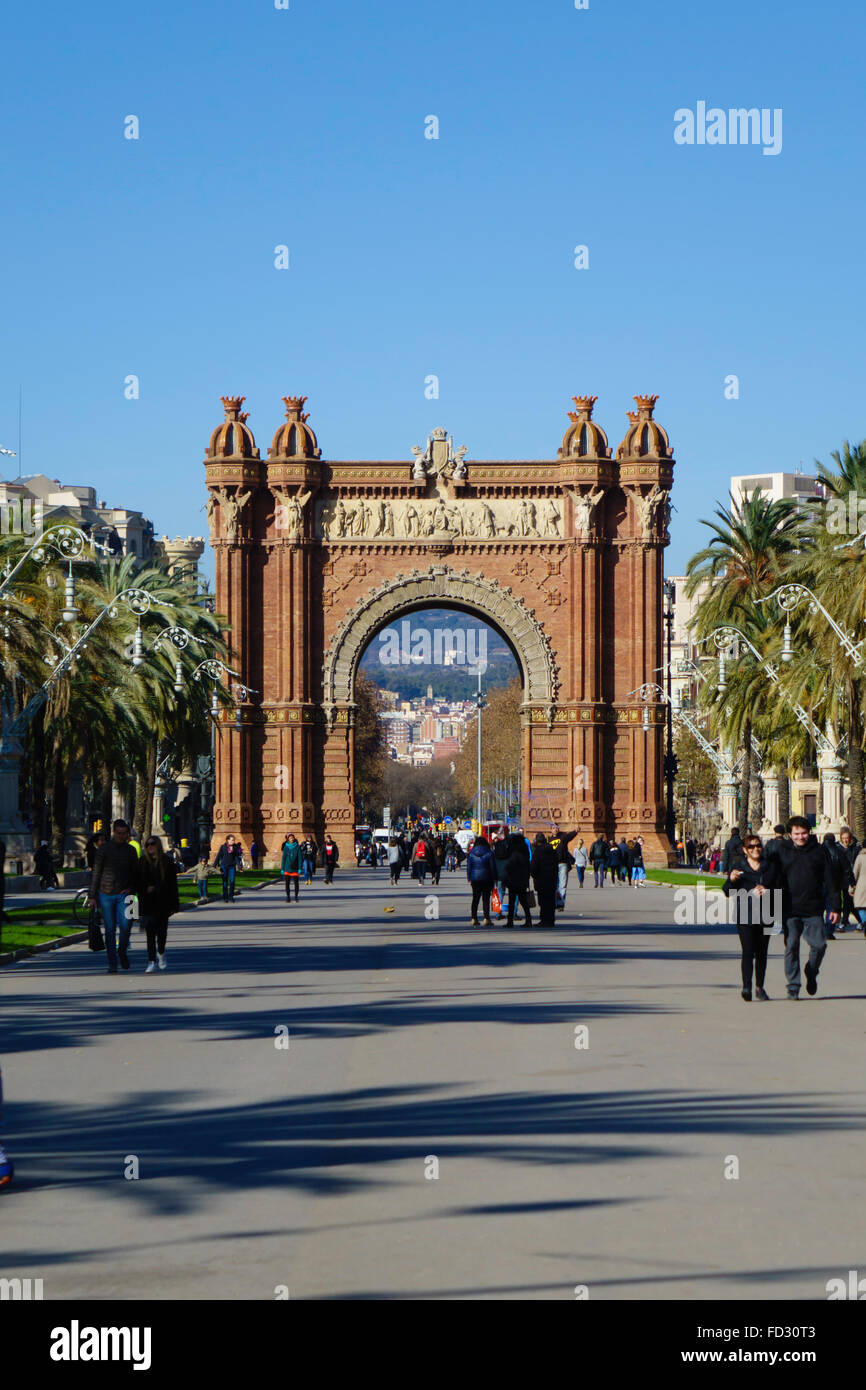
(438, 647)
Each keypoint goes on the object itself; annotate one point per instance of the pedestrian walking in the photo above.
(598, 860)
(850, 848)
(202, 872)
(624, 869)
(614, 863)
(858, 882)
(419, 860)
(636, 865)
(839, 860)
(809, 878)
(481, 874)
(500, 849)
(228, 861)
(517, 870)
(44, 865)
(114, 885)
(395, 861)
(544, 868)
(309, 854)
(255, 853)
(581, 859)
(753, 875)
(96, 839)
(733, 850)
(330, 856)
(290, 865)
(157, 899)
(559, 843)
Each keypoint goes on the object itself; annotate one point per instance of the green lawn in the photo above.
(685, 876)
(28, 926)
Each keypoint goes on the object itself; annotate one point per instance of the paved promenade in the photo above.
(412, 1042)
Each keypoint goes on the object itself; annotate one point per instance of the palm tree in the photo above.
(751, 543)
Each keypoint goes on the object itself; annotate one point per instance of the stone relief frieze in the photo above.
(439, 519)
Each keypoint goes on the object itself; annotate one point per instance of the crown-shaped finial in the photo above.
(294, 406)
(232, 405)
(584, 405)
(645, 403)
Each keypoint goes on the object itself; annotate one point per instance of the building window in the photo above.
(810, 807)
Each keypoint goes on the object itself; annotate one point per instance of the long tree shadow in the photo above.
(345, 1140)
(34, 1021)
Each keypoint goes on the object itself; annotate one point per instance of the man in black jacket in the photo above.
(733, 850)
(598, 857)
(810, 878)
(115, 883)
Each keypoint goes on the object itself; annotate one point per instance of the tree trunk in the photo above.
(784, 796)
(150, 786)
(58, 809)
(37, 782)
(855, 764)
(756, 799)
(745, 781)
(139, 805)
(107, 782)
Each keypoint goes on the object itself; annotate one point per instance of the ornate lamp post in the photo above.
(830, 764)
(214, 670)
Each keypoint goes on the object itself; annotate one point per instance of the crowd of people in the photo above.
(501, 869)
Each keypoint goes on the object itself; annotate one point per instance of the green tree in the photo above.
(751, 545)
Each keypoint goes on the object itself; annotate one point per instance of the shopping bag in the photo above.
(495, 902)
(95, 938)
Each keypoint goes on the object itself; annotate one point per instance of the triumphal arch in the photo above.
(563, 556)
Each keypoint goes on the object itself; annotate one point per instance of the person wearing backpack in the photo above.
(290, 865)
(598, 860)
(481, 874)
(420, 859)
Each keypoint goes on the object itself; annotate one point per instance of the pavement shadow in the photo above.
(341, 1141)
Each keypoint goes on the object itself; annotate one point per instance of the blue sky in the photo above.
(408, 256)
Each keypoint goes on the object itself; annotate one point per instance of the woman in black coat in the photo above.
(515, 875)
(545, 873)
(157, 899)
(753, 877)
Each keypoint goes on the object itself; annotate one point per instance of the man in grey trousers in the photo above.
(810, 881)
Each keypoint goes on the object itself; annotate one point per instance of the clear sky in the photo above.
(409, 257)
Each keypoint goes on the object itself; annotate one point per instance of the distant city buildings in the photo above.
(424, 730)
(123, 530)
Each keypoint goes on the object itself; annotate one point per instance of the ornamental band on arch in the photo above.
(562, 556)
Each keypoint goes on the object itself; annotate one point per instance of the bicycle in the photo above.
(81, 909)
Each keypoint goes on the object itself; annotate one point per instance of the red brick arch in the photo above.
(563, 556)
